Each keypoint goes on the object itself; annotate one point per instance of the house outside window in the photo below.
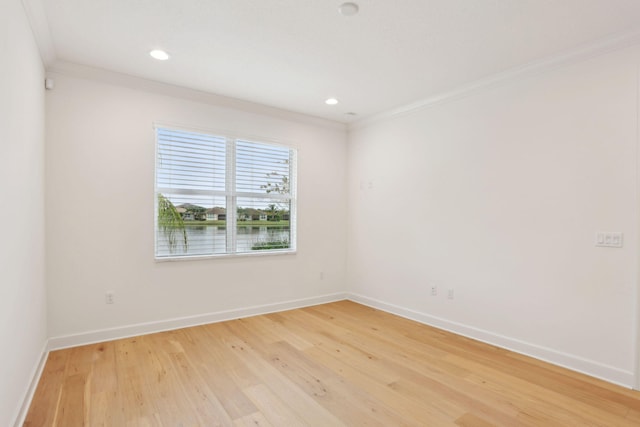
(218, 195)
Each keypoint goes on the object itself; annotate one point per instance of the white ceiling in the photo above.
(293, 54)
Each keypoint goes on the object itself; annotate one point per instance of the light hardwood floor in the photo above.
(329, 365)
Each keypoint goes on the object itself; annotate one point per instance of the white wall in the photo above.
(22, 292)
(498, 195)
(100, 204)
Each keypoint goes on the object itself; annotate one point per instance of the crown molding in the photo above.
(86, 72)
(601, 47)
(37, 17)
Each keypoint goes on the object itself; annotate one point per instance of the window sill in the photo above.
(224, 256)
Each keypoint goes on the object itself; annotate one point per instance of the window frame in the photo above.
(232, 194)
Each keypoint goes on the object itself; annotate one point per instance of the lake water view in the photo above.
(211, 239)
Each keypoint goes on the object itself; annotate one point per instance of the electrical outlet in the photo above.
(322, 275)
(434, 291)
(109, 298)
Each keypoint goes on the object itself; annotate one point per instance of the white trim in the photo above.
(575, 363)
(109, 334)
(293, 205)
(569, 361)
(70, 69)
(231, 201)
(33, 384)
(181, 258)
(37, 17)
(636, 293)
(581, 53)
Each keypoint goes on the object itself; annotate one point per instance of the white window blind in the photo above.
(218, 195)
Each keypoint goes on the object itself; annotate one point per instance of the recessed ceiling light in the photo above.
(348, 9)
(160, 55)
(331, 101)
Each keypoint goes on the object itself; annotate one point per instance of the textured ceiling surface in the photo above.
(293, 54)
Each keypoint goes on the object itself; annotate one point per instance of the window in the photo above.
(217, 195)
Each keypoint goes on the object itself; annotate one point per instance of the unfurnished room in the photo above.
(320, 213)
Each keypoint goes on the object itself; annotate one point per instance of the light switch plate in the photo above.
(609, 239)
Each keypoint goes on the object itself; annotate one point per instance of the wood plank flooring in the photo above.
(338, 364)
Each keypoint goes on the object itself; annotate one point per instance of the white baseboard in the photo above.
(36, 373)
(91, 337)
(575, 363)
